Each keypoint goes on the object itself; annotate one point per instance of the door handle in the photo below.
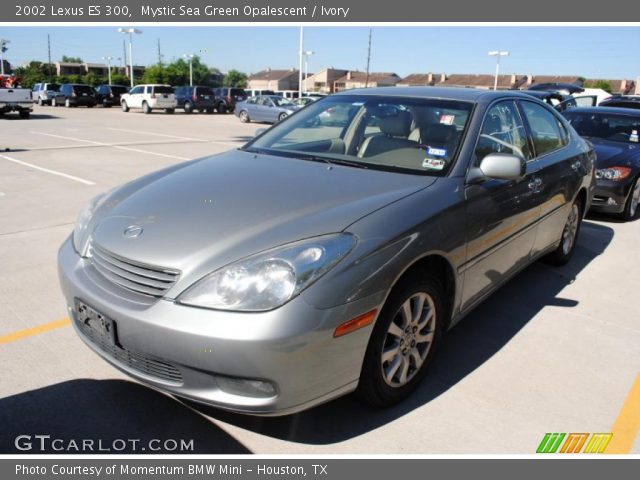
(535, 183)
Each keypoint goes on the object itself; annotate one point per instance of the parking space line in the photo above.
(47, 170)
(29, 332)
(155, 134)
(119, 147)
(627, 425)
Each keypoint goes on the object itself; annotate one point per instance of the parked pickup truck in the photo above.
(16, 100)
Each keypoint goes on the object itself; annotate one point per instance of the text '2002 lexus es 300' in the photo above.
(329, 254)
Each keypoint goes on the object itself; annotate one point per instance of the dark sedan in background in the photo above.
(614, 133)
(109, 95)
(195, 97)
(265, 108)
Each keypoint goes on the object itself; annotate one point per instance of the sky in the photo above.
(592, 52)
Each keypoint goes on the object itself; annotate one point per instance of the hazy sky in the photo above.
(596, 52)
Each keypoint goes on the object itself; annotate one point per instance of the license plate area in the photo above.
(102, 326)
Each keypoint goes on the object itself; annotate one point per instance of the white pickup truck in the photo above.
(16, 100)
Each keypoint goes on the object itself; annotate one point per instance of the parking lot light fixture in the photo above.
(3, 43)
(307, 54)
(497, 54)
(108, 59)
(189, 56)
(130, 32)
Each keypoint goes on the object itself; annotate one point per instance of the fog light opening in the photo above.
(246, 387)
(355, 323)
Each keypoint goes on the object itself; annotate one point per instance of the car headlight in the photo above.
(270, 279)
(81, 230)
(613, 173)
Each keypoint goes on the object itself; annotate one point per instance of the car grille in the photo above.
(134, 276)
(140, 362)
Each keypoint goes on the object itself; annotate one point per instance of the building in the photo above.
(99, 69)
(622, 87)
(421, 80)
(138, 71)
(274, 80)
(324, 80)
(356, 79)
(484, 81)
(70, 68)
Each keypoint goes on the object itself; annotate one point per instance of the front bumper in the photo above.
(291, 348)
(610, 196)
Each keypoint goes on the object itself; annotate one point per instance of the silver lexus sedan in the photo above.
(329, 254)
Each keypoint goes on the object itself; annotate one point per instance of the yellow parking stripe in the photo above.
(28, 332)
(625, 429)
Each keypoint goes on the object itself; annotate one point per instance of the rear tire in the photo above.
(403, 342)
(631, 205)
(67, 103)
(244, 117)
(40, 102)
(125, 107)
(561, 255)
(188, 107)
(222, 108)
(24, 113)
(146, 109)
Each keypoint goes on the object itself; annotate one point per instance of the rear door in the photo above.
(501, 215)
(559, 170)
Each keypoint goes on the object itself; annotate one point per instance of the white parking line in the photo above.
(155, 134)
(47, 170)
(119, 147)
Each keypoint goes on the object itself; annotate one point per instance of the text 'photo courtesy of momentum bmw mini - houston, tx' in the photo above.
(329, 254)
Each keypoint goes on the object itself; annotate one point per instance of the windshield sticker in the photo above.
(433, 163)
(437, 152)
(447, 119)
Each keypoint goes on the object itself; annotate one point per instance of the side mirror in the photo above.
(501, 166)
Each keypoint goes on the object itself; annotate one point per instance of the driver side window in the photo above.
(502, 132)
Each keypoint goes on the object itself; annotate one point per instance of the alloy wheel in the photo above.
(635, 199)
(570, 229)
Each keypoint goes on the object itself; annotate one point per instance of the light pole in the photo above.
(108, 59)
(307, 54)
(300, 62)
(497, 54)
(130, 32)
(189, 56)
(3, 42)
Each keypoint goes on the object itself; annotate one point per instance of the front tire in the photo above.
(244, 117)
(67, 103)
(631, 205)
(188, 107)
(403, 342)
(561, 255)
(282, 116)
(125, 107)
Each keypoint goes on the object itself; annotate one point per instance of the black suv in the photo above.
(76, 94)
(195, 98)
(108, 95)
(226, 98)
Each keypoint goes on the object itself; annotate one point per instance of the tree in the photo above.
(71, 59)
(601, 84)
(154, 74)
(118, 78)
(234, 78)
(34, 72)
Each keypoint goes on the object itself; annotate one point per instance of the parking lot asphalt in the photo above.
(555, 350)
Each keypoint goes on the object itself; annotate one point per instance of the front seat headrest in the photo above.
(396, 126)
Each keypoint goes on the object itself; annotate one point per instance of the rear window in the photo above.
(205, 91)
(238, 92)
(54, 87)
(162, 89)
(83, 89)
(118, 89)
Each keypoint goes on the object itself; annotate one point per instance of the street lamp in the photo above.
(108, 59)
(3, 42)
(306, 54)
(130, 32)
(497, 54)
(189, 56)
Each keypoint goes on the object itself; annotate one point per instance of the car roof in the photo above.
(613, 110)
(449, 93)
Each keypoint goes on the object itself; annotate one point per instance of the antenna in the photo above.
(366, 82)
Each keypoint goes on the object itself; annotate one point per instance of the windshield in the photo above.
(411, 135)
(281, 102)
(608, 126)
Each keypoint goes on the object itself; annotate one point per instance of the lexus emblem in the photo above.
(133, 231)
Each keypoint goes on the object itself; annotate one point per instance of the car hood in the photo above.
(204, 214)
(610, 154)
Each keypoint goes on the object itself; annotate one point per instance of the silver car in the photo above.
(323, 258)
(265, 108)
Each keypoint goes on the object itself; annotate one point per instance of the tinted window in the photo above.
(54, 87)
(545, 128)
(204, 91)
(502, 132)
(83, 89)
(162, 89)
(238, 92)
(118, 90)
(618, 128)
(136, 90)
